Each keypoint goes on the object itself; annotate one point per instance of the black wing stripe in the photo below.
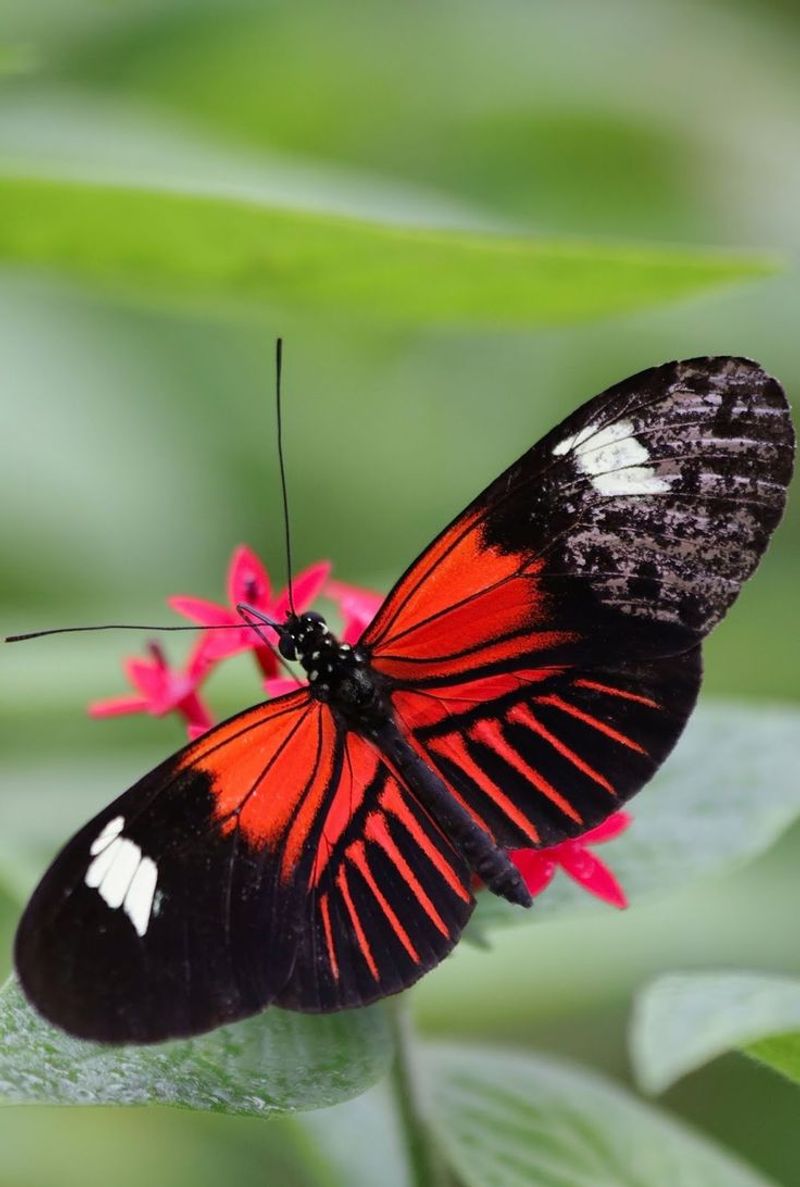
(525, 716)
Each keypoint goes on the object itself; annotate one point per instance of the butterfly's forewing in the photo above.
(544, 651)
(177, 908)
(275, 859)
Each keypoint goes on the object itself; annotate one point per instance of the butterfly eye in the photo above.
(312, 616)
(286, 647)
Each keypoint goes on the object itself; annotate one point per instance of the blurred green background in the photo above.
(137, 444)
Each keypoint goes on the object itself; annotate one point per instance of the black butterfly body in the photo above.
(526, 675)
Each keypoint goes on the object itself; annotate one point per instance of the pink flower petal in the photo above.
(590, 872)
(358, 607)
(612, 827)
(306, 586)
(199, 663)
(218, 645)
(116, 706)
(195, 712)
(248, 580)
(278, 685)
(196, 731)
(144, 675)
(174, 694)
(267, 661)
(355, 596)
(537, 870)
(354, 626)
(202, 611)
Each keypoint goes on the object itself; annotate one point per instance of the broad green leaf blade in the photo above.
(506, 1120)
(199, 248)
(278, 1062)
(683, 1021)
(722, 798)
(68, 133)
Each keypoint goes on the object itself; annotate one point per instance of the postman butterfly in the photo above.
(526, 675)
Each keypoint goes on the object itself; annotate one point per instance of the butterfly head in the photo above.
(337, 672)
(301, 634)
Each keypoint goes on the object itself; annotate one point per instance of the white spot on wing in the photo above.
(139, 897)
(635, 480)
(102, 864)
(121, 876)
(613, 459)
(570, 442)
(111, 830)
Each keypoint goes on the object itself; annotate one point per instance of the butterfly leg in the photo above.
(491, 863)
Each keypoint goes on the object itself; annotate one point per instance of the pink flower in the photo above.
(358, 608)
(159, 690)
(538, 866)
(248, 581)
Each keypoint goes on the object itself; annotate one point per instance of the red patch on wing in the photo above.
(271, 771)
(462, 595)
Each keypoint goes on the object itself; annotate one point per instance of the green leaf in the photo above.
(506, 1120)
(684, 1020)
(197, 248)
(722, 798)
(781, 1052)
(360, 1141)
(277, 1062)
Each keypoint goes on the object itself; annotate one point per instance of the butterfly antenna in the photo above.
(122, 626)
(282, 466)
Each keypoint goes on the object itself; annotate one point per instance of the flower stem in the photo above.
(426, 1164)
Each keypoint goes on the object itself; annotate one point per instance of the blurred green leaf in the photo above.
(201, 248)
(277, 1062)
(360, 1141)
(722, 798)
(17, 58)
(684, 1020)
(49, 1146)
(506, 1120)
(585, 164)
(780, 1052)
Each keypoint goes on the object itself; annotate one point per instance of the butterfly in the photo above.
(526, 675)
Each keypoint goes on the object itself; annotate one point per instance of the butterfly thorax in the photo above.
(338, 673)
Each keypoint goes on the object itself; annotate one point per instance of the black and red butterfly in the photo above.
(526, 675)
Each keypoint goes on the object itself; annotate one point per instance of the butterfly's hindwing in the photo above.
(538, 762)
(389, 894)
